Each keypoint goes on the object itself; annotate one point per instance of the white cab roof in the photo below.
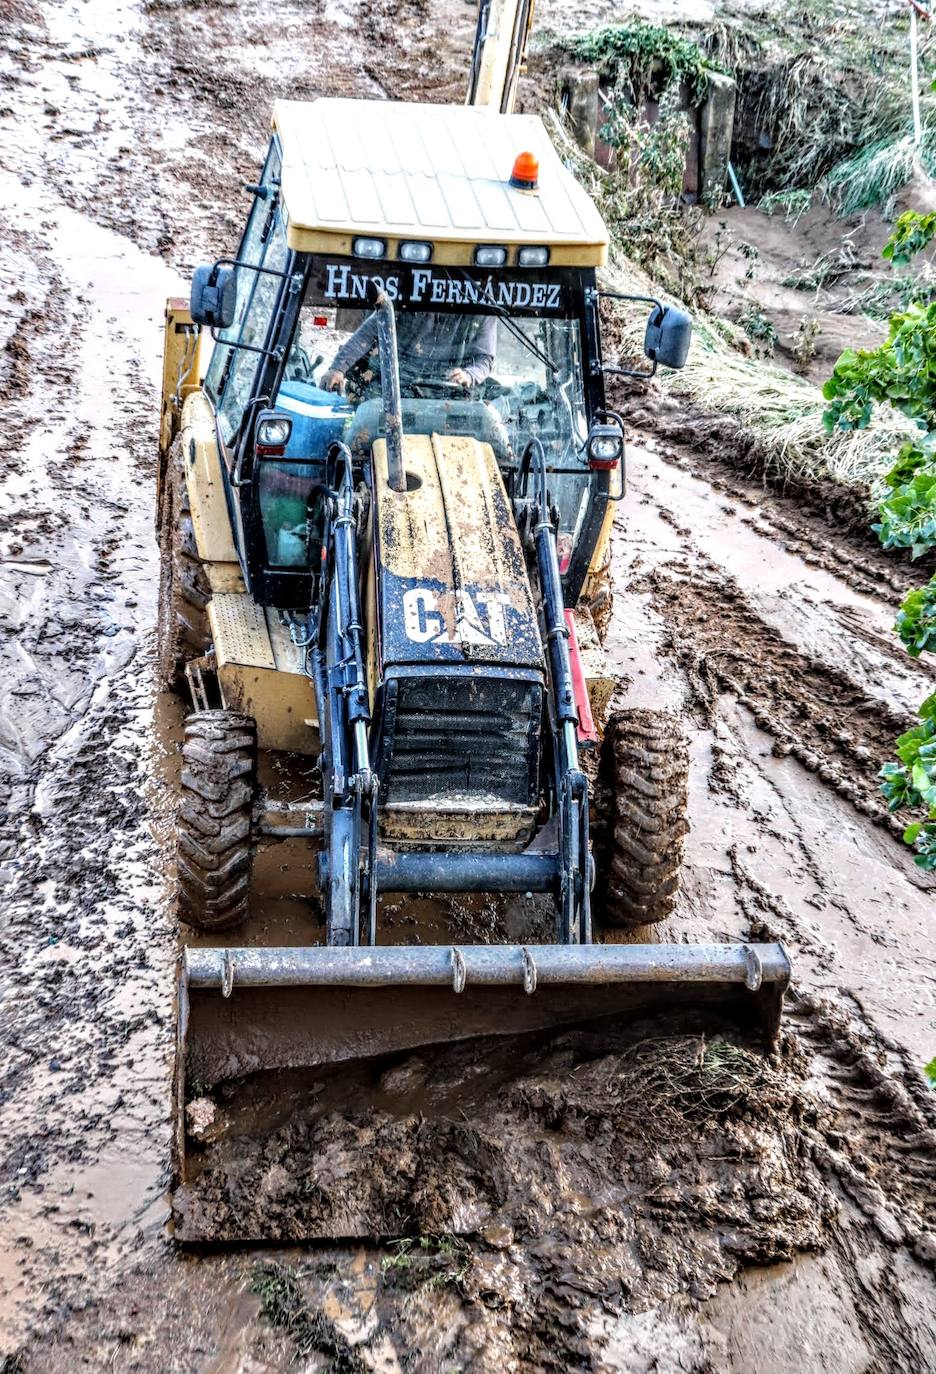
(436, 172)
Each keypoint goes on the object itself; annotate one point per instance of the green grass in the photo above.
(426, 1262)
(779, 414)
(873, 176)
(283, 1305)
(791, 204)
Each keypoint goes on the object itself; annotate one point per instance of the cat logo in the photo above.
(479, 619)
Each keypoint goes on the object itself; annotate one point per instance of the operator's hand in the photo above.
(333, 380)
(459, 376)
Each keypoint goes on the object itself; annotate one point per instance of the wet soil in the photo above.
(657, 1201)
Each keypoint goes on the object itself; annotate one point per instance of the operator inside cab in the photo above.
(432, 348)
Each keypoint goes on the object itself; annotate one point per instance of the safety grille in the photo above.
(455, 738)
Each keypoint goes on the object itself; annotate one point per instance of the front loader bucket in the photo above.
(247, 1010)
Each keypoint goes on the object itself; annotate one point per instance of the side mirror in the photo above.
(669, 333)
(214, 296)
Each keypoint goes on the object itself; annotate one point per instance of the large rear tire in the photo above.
(214, 849)
(184, 589)
(599, 595)
(643, 788)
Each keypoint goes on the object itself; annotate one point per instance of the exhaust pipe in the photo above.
(390, 387)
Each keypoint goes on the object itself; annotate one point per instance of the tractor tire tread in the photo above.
(184, 632)
(214, 817)
(643, 801)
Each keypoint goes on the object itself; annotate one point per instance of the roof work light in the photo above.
(525, 174)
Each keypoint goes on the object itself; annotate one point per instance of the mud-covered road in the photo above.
(630, 1215)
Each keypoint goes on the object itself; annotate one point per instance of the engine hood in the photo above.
(452, 583)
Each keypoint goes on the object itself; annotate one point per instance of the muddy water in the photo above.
(124, 130)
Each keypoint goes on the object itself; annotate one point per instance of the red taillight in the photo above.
(270, 450)
(320, 321)
(604, 464)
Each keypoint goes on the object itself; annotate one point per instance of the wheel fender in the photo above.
(204, 482)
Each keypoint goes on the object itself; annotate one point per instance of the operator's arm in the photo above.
(479, 359)
(361, 342)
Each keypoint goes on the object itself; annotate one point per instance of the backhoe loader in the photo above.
(383, 509)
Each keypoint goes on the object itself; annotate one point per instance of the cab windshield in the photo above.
(522, 365)
(504, 375)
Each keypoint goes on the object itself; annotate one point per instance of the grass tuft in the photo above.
(872, 176)
(312, 1333)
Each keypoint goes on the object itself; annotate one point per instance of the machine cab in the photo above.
(487, 247)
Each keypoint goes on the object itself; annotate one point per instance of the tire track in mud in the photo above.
(826, 511)
(814, 712)
(872, 1139)
(808, 536)
(878, 1150)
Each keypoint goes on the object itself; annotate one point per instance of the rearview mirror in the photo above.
(214, 296)
(669, 333)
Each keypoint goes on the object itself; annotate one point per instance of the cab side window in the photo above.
(231, 372)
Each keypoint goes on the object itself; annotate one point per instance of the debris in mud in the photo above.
(651, 1166)
(311, 1333)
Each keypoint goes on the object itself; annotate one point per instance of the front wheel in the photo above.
(213, 834)
(643, 787)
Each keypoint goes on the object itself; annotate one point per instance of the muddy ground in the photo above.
(665, 1201)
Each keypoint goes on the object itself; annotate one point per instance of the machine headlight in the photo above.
(415, 252)
(490, 255)
(369, 248)
(605, 446)
(533, 257)
(273, 433)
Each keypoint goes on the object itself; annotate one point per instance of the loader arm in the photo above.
(499, 53)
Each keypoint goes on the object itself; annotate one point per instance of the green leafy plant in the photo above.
(751, 252)
(912, 233)
(907, 507)
(912, 783)
(644, 59)
(720, 245)
(759, 329)
(902, 372)
(804, 342)
(655, 154)
(916, 620)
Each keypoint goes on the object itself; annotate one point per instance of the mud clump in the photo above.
(587, 1170)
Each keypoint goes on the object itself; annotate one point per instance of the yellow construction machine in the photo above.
(388, 477)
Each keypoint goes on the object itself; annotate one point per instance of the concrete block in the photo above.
(578, 98)
(716, 128)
